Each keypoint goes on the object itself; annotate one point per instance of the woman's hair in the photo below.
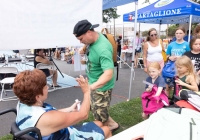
(28, 84)
(186, 62)
(155, 65)
(192, 41)
(150, 30)
(36, 51)
(196, 30)
(180, 28)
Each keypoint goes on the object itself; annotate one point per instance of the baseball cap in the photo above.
(82, 27)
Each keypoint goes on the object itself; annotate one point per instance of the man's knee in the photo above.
(101, 114)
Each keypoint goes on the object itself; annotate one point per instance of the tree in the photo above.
(162, 36)
(197, 1)
(172, 29)
(145, 33)
(109, 14)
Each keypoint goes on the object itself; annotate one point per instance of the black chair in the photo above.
(21, 134)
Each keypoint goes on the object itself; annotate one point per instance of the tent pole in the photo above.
(159, 30)
(133, 53)
(190, 23)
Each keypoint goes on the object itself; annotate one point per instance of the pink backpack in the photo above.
(149, 102)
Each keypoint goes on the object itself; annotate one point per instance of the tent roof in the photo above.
(166, 12)
(113, 3)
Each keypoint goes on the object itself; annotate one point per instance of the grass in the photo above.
(126, 114)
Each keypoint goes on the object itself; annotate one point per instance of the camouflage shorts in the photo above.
(100, 102)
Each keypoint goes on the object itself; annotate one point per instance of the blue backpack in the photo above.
(169, 71)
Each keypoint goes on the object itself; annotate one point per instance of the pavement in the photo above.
(62, 98)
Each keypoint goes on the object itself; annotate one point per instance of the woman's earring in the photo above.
(40, 103)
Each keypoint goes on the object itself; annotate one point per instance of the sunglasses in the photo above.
(153, 35)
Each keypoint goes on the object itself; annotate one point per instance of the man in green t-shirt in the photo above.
(100, 70)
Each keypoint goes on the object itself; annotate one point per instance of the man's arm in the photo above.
(103, 79)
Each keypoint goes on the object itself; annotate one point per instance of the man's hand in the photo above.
(81, 50)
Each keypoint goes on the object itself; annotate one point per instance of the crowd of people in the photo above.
(31, 88)
(183, 54)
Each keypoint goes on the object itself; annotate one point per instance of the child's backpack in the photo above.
(150, 103)
(169, 71)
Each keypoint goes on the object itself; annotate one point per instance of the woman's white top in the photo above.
(154, 54)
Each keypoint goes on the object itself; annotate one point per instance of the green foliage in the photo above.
(126, 114)
(172, 29)
(162, 36)
(145, 33)
(109, 14)
(7, 137)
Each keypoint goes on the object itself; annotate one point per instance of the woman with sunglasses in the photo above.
(152, 51)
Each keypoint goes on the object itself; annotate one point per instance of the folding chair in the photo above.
(140, 59)
(21, 134)
(47, 66)
(8, 80)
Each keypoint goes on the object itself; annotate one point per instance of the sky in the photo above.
(131, 7)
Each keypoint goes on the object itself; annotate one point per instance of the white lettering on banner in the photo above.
(196, 9)
(155, 14)
(160, 13)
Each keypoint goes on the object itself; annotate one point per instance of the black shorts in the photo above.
(138, 51)
(46, 72)
(53, 49)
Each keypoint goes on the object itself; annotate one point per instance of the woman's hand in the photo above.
(83, 83)
(73, 107)
(172, 58)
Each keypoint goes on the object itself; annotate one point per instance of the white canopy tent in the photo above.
(29, 24)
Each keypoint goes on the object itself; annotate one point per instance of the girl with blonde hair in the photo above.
(187, 77)
(154, 71)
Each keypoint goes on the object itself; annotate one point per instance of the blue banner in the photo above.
(114, 3)
(163, 11)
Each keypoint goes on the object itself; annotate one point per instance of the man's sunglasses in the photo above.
(153, 35)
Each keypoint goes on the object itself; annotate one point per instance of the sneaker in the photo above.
(57, 86)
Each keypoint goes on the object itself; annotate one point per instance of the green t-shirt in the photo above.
(99, 60)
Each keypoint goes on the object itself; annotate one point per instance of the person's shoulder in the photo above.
(187, 43)
(190, 77)
(160, 78)
(187, 53)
